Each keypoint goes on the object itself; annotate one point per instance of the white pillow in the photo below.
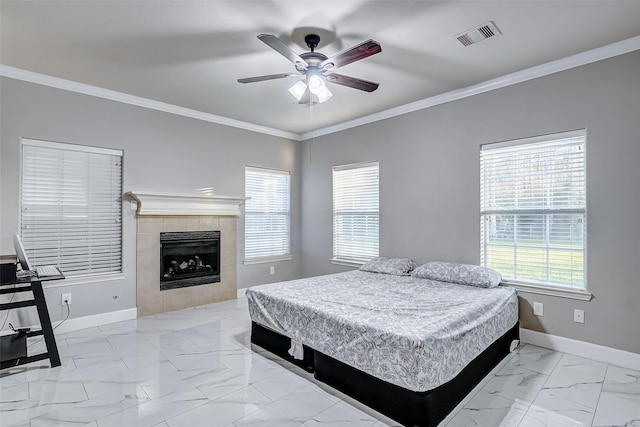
(396, 266)
(462, 274)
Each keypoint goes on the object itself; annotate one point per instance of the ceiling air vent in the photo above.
(478, 34)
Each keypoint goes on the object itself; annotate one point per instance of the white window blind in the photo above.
(533, 209)
(356, 212)
(72, 207)
(267, 223)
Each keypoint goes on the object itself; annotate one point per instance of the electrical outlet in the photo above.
(66, 299)
(538, 309)
(578, 316)
(272, 270)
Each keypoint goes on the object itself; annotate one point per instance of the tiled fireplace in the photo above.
(180, 214)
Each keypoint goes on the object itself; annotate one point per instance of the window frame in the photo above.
(548, 288)
(340, 258)
(84, 276)
(269, 258)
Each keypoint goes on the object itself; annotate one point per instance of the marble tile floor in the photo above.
(196, 367)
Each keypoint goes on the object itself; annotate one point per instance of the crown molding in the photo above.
(584, 58)
(58, 83)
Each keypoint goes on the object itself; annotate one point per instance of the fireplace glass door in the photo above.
(189, 259)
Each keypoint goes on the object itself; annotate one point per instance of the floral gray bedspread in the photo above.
(415, 333)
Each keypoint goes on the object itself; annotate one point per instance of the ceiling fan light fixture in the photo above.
(298, 89)
(316, 90)
(316, 84)
(323, 94)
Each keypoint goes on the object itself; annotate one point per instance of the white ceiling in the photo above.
(190, 53)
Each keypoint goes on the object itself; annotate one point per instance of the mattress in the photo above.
(411, 332)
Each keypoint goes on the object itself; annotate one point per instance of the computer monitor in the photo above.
(22, 255)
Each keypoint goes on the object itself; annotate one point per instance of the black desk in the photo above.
(33, 284)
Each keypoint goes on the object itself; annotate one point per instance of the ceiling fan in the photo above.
(317, 68)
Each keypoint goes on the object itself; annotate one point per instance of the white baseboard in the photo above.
(77, 323)
(241, 292)
(584, 349)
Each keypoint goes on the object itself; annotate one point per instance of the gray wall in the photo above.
(162, 152)
(429, 186)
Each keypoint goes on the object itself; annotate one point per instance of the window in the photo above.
(72, 207)
(533, 210)
(356, 216)
(267, 219)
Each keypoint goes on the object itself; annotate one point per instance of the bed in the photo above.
(406, 345)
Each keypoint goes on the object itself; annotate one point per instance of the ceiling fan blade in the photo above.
(355, 53)
(278, 45)
(341, 79)
(268, 77)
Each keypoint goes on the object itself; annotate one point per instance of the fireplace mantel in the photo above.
(183, 204)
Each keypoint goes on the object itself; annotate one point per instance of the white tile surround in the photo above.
(196, 367)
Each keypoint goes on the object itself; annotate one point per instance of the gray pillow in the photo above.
(396, 266)
(462, 274)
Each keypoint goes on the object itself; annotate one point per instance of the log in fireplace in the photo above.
(189, 258)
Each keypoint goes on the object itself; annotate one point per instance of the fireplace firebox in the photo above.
(189, 258)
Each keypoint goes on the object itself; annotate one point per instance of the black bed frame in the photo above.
(410, 408)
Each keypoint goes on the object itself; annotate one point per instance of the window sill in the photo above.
(346, 263)
(555, 291)
(84, 280)
(267, 260)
